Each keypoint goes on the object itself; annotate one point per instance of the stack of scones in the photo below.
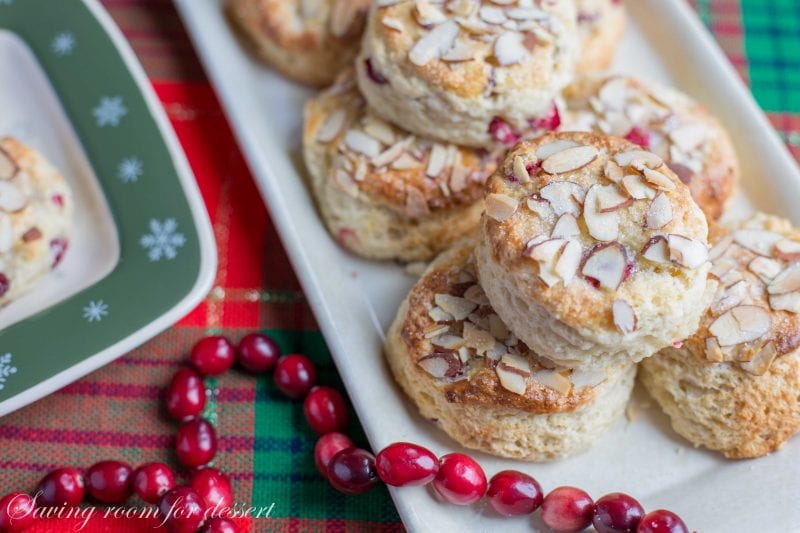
(570, 214)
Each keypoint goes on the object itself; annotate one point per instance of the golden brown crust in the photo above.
(310, 41)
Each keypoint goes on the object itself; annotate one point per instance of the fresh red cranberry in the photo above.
(502, 132)
(257, 353)
(460, 479)
(183, 510)
(325, 410)
(62, 486)
(661, 521)
(352, 471)
(327, 446)
(295, 374)
(640, 136)
(549, 122)
(58, 247)
(16, 512)
(212, 355)
(213, 486)
(58, 199)
(567, 509)
(617, 513)
(513, 493)
(152, 480)
(403, 464)
(109, 481)
(373, 74)
(220, 525)
(186, 395)
(5, 284)
(196, 443)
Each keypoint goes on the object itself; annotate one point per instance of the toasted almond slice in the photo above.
(720, 248)
(602, 226)
(759, 241)
(765, 268)
(450, 342)
(722, 267)
(686, 252)
(637, 187)
(564, 197)
(624, 317)
(540, 206)
(434, 43)
(546, 150)
(785, 302)
(478, 338)
(437, 314)
(759, 365)
(658, 180)
(730, 297)
(392, 23)
(570, 159)
(436, 161)
(743, 323)
(492, 15)
(788, 250)
(521, 170)
(786, 281)
(567, 265)
(379, 129)
(459, 307)
(361, 143)
(426, 14)
(553, 379)
(657, 250)
(566, 227)
(607, 265)
(611, 198)
(613, 172)
(648, 159)
(659, 214)
(6, 234)
(442, 365)
(389, 155)
(434, 330)
(546, 251)
(330, 128)
(511, 376)
(713, 350)
(508, 48)
(500, 206)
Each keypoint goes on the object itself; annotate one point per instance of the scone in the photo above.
(734, 386)
(382, 192)
(601, 25)
(469, 72)
(35, 218)
(592, 250)
(692, 143)
(309, 41)
(469, 374)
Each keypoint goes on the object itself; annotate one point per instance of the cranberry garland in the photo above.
(456, 477)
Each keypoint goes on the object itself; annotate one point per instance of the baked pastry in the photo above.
(601, 25)
(35, 218)
(734, 386)
(470, 72)
(664, 121)
(309, 41)
(592, 250)
(468, 373)
(382, 192)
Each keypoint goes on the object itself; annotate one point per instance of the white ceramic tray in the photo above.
(354, 301)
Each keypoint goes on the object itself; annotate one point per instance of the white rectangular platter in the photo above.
(354, 301)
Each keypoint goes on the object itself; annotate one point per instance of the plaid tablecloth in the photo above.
(264, 442)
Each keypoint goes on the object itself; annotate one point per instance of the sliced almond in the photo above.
(478, 338)
(713, 350)
(613, 172)
(389, 155)
(602, 226)
(427, 14)
(570, 159)
(624, 317)
(788, 250)
(553, 379)
(759, 241)
(730, 297)
(437, 314)
(607, 265)
(637, 187)
(569, 261)
(508, 48)
(564, 197)
(513, 372)
(442, 365)
(657, 250)
(642, 157)
(720, 248)
(785, 302)
(436, 161)
(686, 252)
(722, 267)
(765, 268)
(521, 170)
(566, 227)
(546, 251)
(658, 180)
(689, 136)
(787, 281)
(434, 43)
(759, 365)
(540, 206)
(458, 307)
(546, 150)
(500, 206)
(659, 214)
(450, 342)
(361, 143)
(332, 126)
(744, 323)
(379, 129)
(611, 198)
(345, 181)
(12, 199)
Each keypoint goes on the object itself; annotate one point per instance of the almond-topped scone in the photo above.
(468, 71)
(465, 370)
(662, 120)
(310, 41)
(601, 25)
(592, 250)
(382, 192)
(35, 218)
(734, 386)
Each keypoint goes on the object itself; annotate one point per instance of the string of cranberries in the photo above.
(200, 504)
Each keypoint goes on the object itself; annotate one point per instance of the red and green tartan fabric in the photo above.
(264, 442)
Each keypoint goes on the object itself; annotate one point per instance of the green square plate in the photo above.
(143, 251)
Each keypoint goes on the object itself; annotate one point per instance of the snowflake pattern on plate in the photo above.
(109, 111)
(63, 44)
(130, 169)
(6, 369)
(95, 311)
(163, 240)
